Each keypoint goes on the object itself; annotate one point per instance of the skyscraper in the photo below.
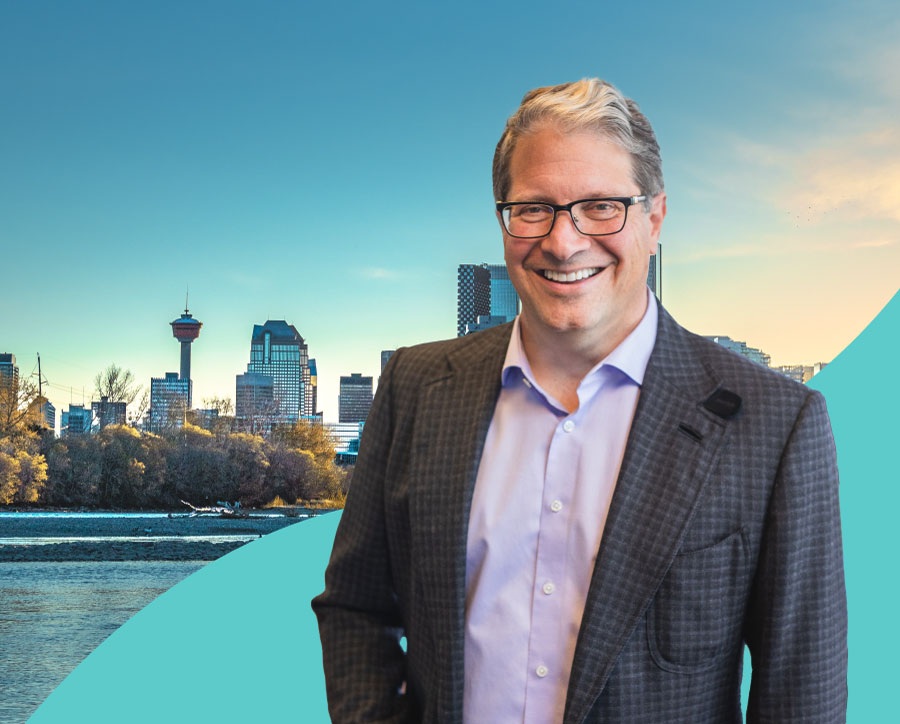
(654, 272)
(355, 398)
(485, 297)
(9, 372)
(278, 350)
(385, 357)
(504, 298)
(473, 295)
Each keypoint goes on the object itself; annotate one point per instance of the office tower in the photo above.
(385, 356)
(76, 421)
(48, 414)
(206, 418)
(169, 401)
(254, 402)
(312, 396)
(108, 413)
(355, 398)
(186, 329)
(741, 348)
(473, 295)
(278, 350)
(504, 298)
(9, 373)
(654, 272)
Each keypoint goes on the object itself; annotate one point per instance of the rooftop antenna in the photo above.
(186, 291)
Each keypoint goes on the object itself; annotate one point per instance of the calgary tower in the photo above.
(186, 329)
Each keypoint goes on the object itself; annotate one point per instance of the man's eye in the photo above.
(532, 212)
(600, 210)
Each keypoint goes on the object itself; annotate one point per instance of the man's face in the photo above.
(603, 308)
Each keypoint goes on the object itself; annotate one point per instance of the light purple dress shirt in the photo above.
(541, 497)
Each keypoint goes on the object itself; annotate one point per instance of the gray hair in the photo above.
(589, 104)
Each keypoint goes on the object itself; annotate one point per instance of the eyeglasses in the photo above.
(593, 217)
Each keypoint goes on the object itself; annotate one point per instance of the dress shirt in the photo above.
(542, 493)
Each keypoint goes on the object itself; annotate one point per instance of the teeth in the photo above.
(569, 277)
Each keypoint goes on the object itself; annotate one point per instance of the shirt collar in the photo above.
(630, 356)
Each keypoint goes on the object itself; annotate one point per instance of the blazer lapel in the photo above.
(671, 449)
(452, 421)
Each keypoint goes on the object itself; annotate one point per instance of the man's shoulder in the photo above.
(431, 360)
(687, 352)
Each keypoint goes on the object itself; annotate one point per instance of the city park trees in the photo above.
(122, 467)
(23, 468)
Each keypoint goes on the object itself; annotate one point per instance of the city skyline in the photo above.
(142, 154)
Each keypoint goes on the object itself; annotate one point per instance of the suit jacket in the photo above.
(723, 530)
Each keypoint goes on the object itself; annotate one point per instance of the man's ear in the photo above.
(655, 216)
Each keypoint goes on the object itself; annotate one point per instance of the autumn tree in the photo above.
(116, 384)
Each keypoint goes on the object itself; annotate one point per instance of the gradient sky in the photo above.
(331, 167)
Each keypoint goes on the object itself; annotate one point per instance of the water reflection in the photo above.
(52, 615)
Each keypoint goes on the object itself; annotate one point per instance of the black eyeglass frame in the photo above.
(626, 200)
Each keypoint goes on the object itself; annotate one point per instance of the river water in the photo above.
(52, 615)
(68, 580)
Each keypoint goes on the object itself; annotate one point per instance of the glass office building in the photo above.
(278, 351)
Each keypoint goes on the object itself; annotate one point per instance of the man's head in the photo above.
(589, 105)
(586, 274)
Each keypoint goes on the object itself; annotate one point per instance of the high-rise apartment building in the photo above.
(473, 295)
(169, 401)
(278, 350)
(355, 398)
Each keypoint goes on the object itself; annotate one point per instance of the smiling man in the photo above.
(587, 514)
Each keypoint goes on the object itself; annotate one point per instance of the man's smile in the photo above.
(572, 276)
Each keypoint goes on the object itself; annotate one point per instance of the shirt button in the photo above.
(541, 671)
(556, 506)
(568, 426)
(548, 588)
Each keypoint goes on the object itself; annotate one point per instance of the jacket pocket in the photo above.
(697, 612)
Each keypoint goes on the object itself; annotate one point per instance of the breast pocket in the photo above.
(697, 612)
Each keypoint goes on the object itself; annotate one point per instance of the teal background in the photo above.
(237, 641)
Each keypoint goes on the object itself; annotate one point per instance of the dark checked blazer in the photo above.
(724, 529)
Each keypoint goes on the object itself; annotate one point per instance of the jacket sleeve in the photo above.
(797, 622)
(360, 620)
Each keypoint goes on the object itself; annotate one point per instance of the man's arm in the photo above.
(359, 617)
(797, 622)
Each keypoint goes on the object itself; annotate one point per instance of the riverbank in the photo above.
(117, 536)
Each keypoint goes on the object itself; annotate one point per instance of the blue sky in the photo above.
(331, 167)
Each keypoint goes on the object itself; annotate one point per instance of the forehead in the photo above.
(560, 166)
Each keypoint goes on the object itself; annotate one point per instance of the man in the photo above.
(584, 516)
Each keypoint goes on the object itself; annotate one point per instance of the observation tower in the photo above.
(186, 329)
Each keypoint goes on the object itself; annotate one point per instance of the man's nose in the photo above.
(564, 240)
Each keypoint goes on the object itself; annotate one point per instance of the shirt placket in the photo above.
(544, 691)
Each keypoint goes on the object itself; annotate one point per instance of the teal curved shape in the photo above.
(238, 642)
